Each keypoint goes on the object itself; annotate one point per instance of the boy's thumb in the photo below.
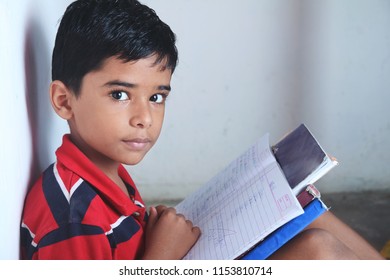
(153, 217)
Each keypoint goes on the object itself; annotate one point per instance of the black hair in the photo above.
(94, 30)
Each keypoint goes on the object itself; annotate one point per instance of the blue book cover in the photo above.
(283, 234)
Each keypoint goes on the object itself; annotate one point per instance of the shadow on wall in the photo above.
(37, 74)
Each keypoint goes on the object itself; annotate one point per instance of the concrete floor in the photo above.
(366, 212)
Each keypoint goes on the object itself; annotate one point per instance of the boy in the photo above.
(111, 70)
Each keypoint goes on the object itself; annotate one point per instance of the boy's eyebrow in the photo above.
(130, 85)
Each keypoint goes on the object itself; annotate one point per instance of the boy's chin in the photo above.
(133, 160)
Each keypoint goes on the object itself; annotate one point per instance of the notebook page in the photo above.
(241, 205)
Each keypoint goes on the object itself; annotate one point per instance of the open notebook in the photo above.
(243, 204)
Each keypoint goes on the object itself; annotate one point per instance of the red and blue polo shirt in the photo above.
(74, 211)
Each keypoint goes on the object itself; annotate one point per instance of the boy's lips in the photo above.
(137, 143)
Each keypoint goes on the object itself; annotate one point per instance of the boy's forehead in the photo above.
(145, 69)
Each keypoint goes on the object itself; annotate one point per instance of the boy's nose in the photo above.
(140, 115)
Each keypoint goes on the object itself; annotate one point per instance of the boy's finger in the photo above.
(160, 209)
(196, 231)
(153, 217)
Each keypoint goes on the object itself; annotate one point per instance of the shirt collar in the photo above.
(69, 155)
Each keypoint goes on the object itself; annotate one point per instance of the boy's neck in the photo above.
(112, 172)
(104, 164)
(119, 182)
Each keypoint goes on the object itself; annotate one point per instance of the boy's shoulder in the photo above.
(60, 198)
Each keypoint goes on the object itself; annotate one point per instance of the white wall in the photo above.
(28, 127)
(251, 67)
(346, 88)
(246, 68)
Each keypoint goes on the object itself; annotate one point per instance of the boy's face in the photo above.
(120, 110)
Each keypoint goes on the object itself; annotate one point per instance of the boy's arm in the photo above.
(77, 248)
(168, 234)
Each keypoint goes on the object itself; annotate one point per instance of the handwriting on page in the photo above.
(240, 206)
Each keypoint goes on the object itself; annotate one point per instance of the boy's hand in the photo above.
(168, 234)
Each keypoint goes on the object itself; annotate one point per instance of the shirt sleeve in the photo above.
(72, 245)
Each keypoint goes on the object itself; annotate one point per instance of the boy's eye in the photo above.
(120, 95)
(158, 98)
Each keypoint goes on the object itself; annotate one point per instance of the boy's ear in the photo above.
(60, 98)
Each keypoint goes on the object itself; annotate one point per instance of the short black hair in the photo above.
(93, 30)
